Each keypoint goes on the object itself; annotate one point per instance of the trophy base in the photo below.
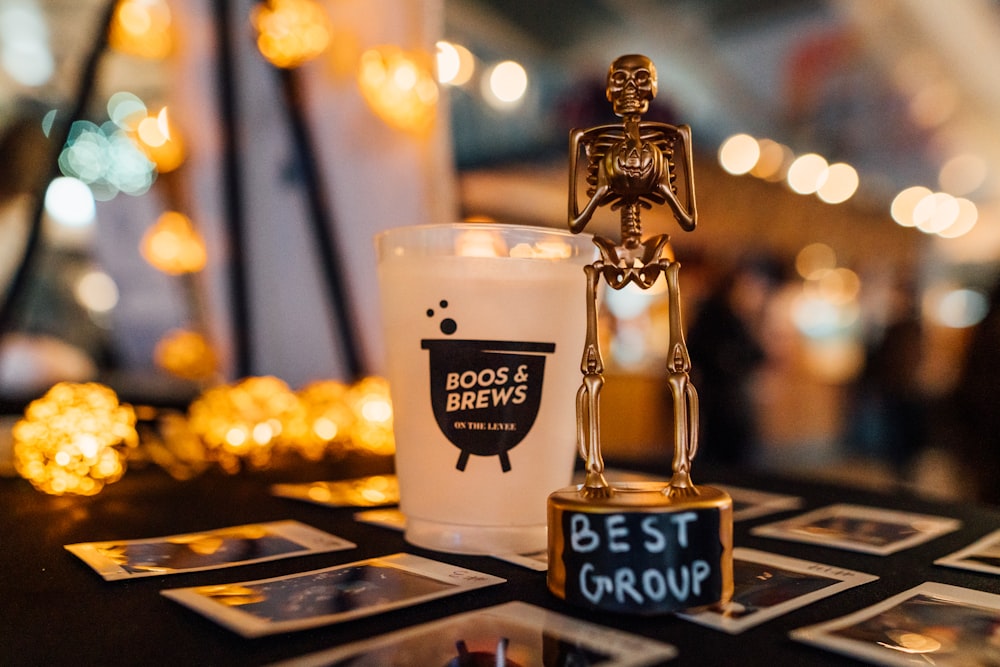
(640, 550)
(477, 540)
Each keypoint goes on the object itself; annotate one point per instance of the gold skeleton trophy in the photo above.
(637, 547)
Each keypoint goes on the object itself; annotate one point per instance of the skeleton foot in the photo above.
(681, 486)
(595, 486)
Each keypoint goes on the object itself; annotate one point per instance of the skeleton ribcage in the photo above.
(596, 148)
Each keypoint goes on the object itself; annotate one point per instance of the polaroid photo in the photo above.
(857, 528)
(384, 518)
(209, 550)
(751, 504)
(538, 560)
(515, 633)
(982, 555)
(767, 585)
(930, 624)
(331, 595)
(371, 491)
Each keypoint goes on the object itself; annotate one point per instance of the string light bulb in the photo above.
(186, 354)
(74, 440)
(291, 32)
(245, 421)
(142, 28)
(173, 245)
(399, 87)
(372, 406)
(326, 421)
(160, 141)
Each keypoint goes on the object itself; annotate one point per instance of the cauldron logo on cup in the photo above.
(485, 393)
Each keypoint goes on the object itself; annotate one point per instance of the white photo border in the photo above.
(962, 558)
(928, 527)
(312, 540)
(840, 579)
(760, 503)
(454, 580)
(823, 635)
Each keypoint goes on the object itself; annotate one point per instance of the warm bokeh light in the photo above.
(186, 354)
(243, 422)
(968, 215)
(935, 212)
(807, 173)
(774, 160)
(142, 28)
(817, 317)
(291, 32)
(399, 87)
(173, 245)
(839, 286)
(74, 439)
(840, 184)
(369, 398)
(814, 260)
(96, 291)
(160, 141)
(934, 103)
(739, 154)
(505, 84)
(904, 204)
(326, 421)
(962, 174)
(455, 64)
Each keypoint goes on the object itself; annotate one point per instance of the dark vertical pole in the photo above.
(58, 138)
(321, 222)
(235, 222)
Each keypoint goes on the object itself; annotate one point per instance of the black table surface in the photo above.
(54, 610)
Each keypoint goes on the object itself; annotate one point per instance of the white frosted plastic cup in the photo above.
(484, 327)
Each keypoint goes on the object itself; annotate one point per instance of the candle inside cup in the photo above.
(484, 327)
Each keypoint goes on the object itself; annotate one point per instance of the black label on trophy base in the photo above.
(485, 393)
(643, 562)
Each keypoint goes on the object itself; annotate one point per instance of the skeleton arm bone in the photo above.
(686, 213)
(585, 139)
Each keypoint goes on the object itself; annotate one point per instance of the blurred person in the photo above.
(890, 405)
(974, 409)
(726, 352)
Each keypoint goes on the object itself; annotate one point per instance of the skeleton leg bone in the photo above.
(588, 396)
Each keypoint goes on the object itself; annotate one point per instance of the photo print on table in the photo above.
(751, 503)
(930, 624)
(983, 555)
(370, 491)
(330, 595)
(514, 634)
(207, 550)
(858, 528)
(768, 585)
